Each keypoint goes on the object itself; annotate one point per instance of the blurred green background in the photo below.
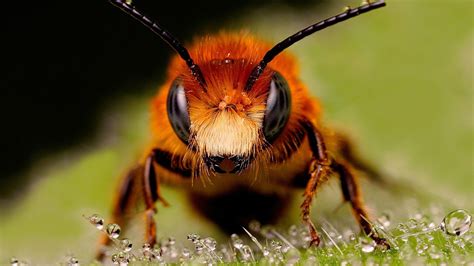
(399, 80)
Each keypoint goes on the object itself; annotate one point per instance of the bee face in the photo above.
(225, 125)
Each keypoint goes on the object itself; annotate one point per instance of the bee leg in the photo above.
(140, 180)
(352, 193)
(151, 192)
(317, 175)
(124, 201)
(319, 171)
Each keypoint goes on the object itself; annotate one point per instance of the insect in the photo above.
(234, 125)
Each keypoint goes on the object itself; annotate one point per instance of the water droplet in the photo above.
(418, 216)
(73, 261)
(97, 221)
(193, 237)
(171, 241)
(305, 237)
(146, 247)
(367, 248)
(236, 241)
(247, 253)
(384, 220)
(293, 230)
(367, 245)
(186, 253)
(285, 248)
(412, 223)
(126, 244)
(276, 245)
(210, 243)
(147, 252)
(456, 223)
(114, 258)
(421, 249)
(429, 237)
(265, 252)
(156, 254)
(14, 262)
(120, 258)
(431, 226)
(199, 247)
(403, 228)
(460, 243)
(113, 230)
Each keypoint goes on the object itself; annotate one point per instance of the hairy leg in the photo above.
(140, 182)
(321, 167)
(352, 194)
(125, 200)
(319, 172)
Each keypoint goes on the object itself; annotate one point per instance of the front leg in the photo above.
(352, 194)
(151, 194)
(140, 182)
(319, 171)
(320, 168)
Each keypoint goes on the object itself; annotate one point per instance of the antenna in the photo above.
(277, 49)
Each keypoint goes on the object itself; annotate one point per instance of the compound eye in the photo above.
(177, 106)
(278, 107)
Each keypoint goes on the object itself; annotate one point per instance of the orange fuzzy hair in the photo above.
(225, 82)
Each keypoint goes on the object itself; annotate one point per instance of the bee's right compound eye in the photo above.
(177, 106)
(278, 107)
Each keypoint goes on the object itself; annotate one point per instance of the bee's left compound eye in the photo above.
(278, 107)
(178, 114)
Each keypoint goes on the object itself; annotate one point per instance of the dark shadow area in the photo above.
(62, 61)
(239, 207)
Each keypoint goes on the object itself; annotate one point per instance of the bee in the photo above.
(235, 126)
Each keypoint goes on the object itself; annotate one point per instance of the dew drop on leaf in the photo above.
(114, 259)
(171, 241)
(146, 247)
(113, 230)
(186, 253)
(210, 243)
(247, 253)
(73, 261)
(14, 261)
(193, 237)
(236, 241)
(384, 220)
(97, 221)
(366, 245)
(126, 245)
(456, 223)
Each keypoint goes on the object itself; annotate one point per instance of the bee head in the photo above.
(223, 123)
